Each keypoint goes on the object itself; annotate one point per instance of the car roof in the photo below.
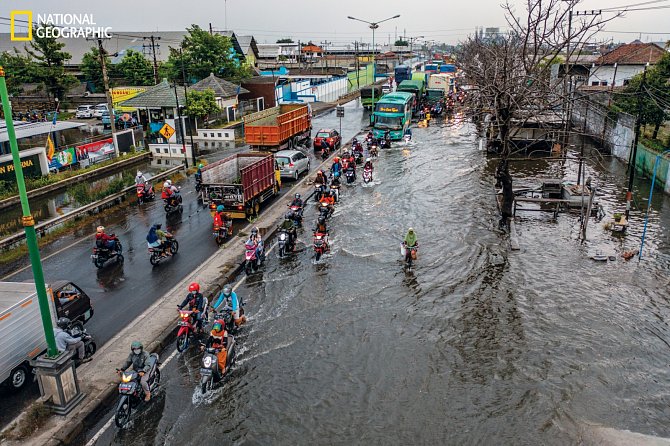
(287, 152)
(325, 130)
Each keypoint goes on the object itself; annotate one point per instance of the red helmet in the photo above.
(194, 287)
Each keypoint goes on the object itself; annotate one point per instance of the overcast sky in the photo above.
(268, 20)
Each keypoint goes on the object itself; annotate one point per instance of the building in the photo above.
(226, 93)
(619, 66)
(277, 52)
(310, 53)
(249, 49)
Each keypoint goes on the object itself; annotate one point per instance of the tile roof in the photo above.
(160, 95)
(633, 54)
(221, 87)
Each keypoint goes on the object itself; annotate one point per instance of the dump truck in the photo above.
(21, 328)
(241, 183)
(278, 128)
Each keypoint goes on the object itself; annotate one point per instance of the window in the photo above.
(159, 161)
(219, 135)
(158, 150)
(211, 135)
(165, 151)
(226, 134)
(595, 83)
(205, 143)
(604, 83)
(626, 82)
(174, 150)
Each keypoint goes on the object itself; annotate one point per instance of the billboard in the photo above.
(64, 158)
(120, 94)
(30, 164)
(95, 149)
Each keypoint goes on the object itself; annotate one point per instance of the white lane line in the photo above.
(109, 422)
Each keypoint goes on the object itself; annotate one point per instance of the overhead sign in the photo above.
(29, 164)
(167, 131)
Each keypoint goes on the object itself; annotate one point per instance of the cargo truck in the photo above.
(283, 127)
(21, 329)
(241, 183)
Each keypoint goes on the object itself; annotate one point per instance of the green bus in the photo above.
(393, 113)
(366, 95)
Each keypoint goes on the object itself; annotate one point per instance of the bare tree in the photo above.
(511, 71)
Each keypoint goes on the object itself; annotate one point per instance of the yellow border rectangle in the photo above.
(29, 17)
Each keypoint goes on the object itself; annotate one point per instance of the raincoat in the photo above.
(410, 238)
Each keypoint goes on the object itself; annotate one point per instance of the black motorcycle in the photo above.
(350, 174)
(156, 254)
(209, 365)
(90, 346)
(173, 204)
(285, 242)
(358, 157)
(131, 395)
(319, 190)
(102, 254)
(325, 210)
(386, 143)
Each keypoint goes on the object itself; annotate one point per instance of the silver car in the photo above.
(292, 163)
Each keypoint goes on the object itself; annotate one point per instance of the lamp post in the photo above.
(56, 374)
(373, 26)
(651, 193)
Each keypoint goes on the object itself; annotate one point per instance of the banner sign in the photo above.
(95, 149)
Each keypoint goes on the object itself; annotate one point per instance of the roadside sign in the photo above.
(340, 111)
(167, 131)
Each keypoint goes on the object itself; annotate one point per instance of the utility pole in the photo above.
(105, 79)
(358, 67)
(153, 55)
(181, 127)
(632, 162)
(183, 77)
(325, 44)
(211, 32)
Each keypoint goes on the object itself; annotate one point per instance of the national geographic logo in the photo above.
(66, 26)
(23, 15)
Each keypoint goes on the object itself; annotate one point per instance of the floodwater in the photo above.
(476, 345)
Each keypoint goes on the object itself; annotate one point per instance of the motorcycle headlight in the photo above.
(126, 377)
(282, 236)
(207, 361)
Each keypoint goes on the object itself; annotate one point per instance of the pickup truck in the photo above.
(21, 328)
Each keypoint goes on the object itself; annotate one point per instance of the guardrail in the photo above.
(41, 228)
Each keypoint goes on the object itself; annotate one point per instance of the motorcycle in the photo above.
(90, 346)
(367, 175)
(358, 157)
(325, 210)
(221, 233)
(409, 253)
(198, 182)
(320, 245)
(386, 143)
(297, 215)
(101, 254)
(131, 394)
(374, 152)
(350, 174)
(285, 243)
(253, 261)
(407, 138)
(209, 365)
(335, 189)
(156, 254)
(319, 190)
(187, 328)
(325, 153)
(143, 194)
(173, 204)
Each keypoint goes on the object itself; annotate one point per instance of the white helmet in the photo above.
(139, 173)
(169, 182)
(368, 159)
(166, 185)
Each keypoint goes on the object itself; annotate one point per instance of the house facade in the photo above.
(620, 65)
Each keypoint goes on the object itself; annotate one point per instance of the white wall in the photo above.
(606, 73)
(172, 151)
(215, 134)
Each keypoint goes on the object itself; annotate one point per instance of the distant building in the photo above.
(620, 65)
(311, 52)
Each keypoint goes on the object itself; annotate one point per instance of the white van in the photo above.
(84, 111)
(97, 111)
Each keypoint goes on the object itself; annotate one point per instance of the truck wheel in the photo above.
(19, 377)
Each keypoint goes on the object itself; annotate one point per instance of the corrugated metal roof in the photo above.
(27, 129)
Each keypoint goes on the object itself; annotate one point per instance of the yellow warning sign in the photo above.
(167, 131)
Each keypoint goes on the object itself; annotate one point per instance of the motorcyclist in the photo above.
(408, 132)
(288, 225)
(156, 238)
(256, 239)
(139, 359)
(221, 218)
(229, 298)
(217, 339)
(65, 342)
(321, 225)
(141, 179)
(297, 201)
(320, 178)
(368, 165)
(103, 240)
(196, 302)
(370, 136)
(198, 173)
(410, 241)
(336, 168)
(170, 191)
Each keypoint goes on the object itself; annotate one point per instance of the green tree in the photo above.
(200, 104)
(92, 71)
(19, 69)
(204, 53)
(50, 62)
(285, 40)
(401, 42)
(136, 69)
(654, 96)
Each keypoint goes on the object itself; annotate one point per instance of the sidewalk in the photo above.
(155, 328)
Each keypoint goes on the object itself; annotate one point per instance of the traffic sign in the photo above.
(167, 131)
(340, 111)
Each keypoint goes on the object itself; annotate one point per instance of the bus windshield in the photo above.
(388, 122)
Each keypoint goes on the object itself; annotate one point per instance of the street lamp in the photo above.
(373, 26)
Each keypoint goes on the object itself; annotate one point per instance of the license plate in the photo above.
(94, 256)
(204, 371)
(183, 324)
(124, 387)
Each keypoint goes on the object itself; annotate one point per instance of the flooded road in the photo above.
(478, 345)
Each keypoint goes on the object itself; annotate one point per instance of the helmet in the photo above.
(136, 344)
(169, 182)
(319, 172)
(63, 322)
(200, 166)
(157, 225)
(220, 208)
(166, 185)
(289, 215)
(100, 229)
(368, 159)
(227, 290)
(254, 230)
(217, 326)
(194, 286)
(336, 159)
(322, 220)
(297, 195)
(139, 173)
